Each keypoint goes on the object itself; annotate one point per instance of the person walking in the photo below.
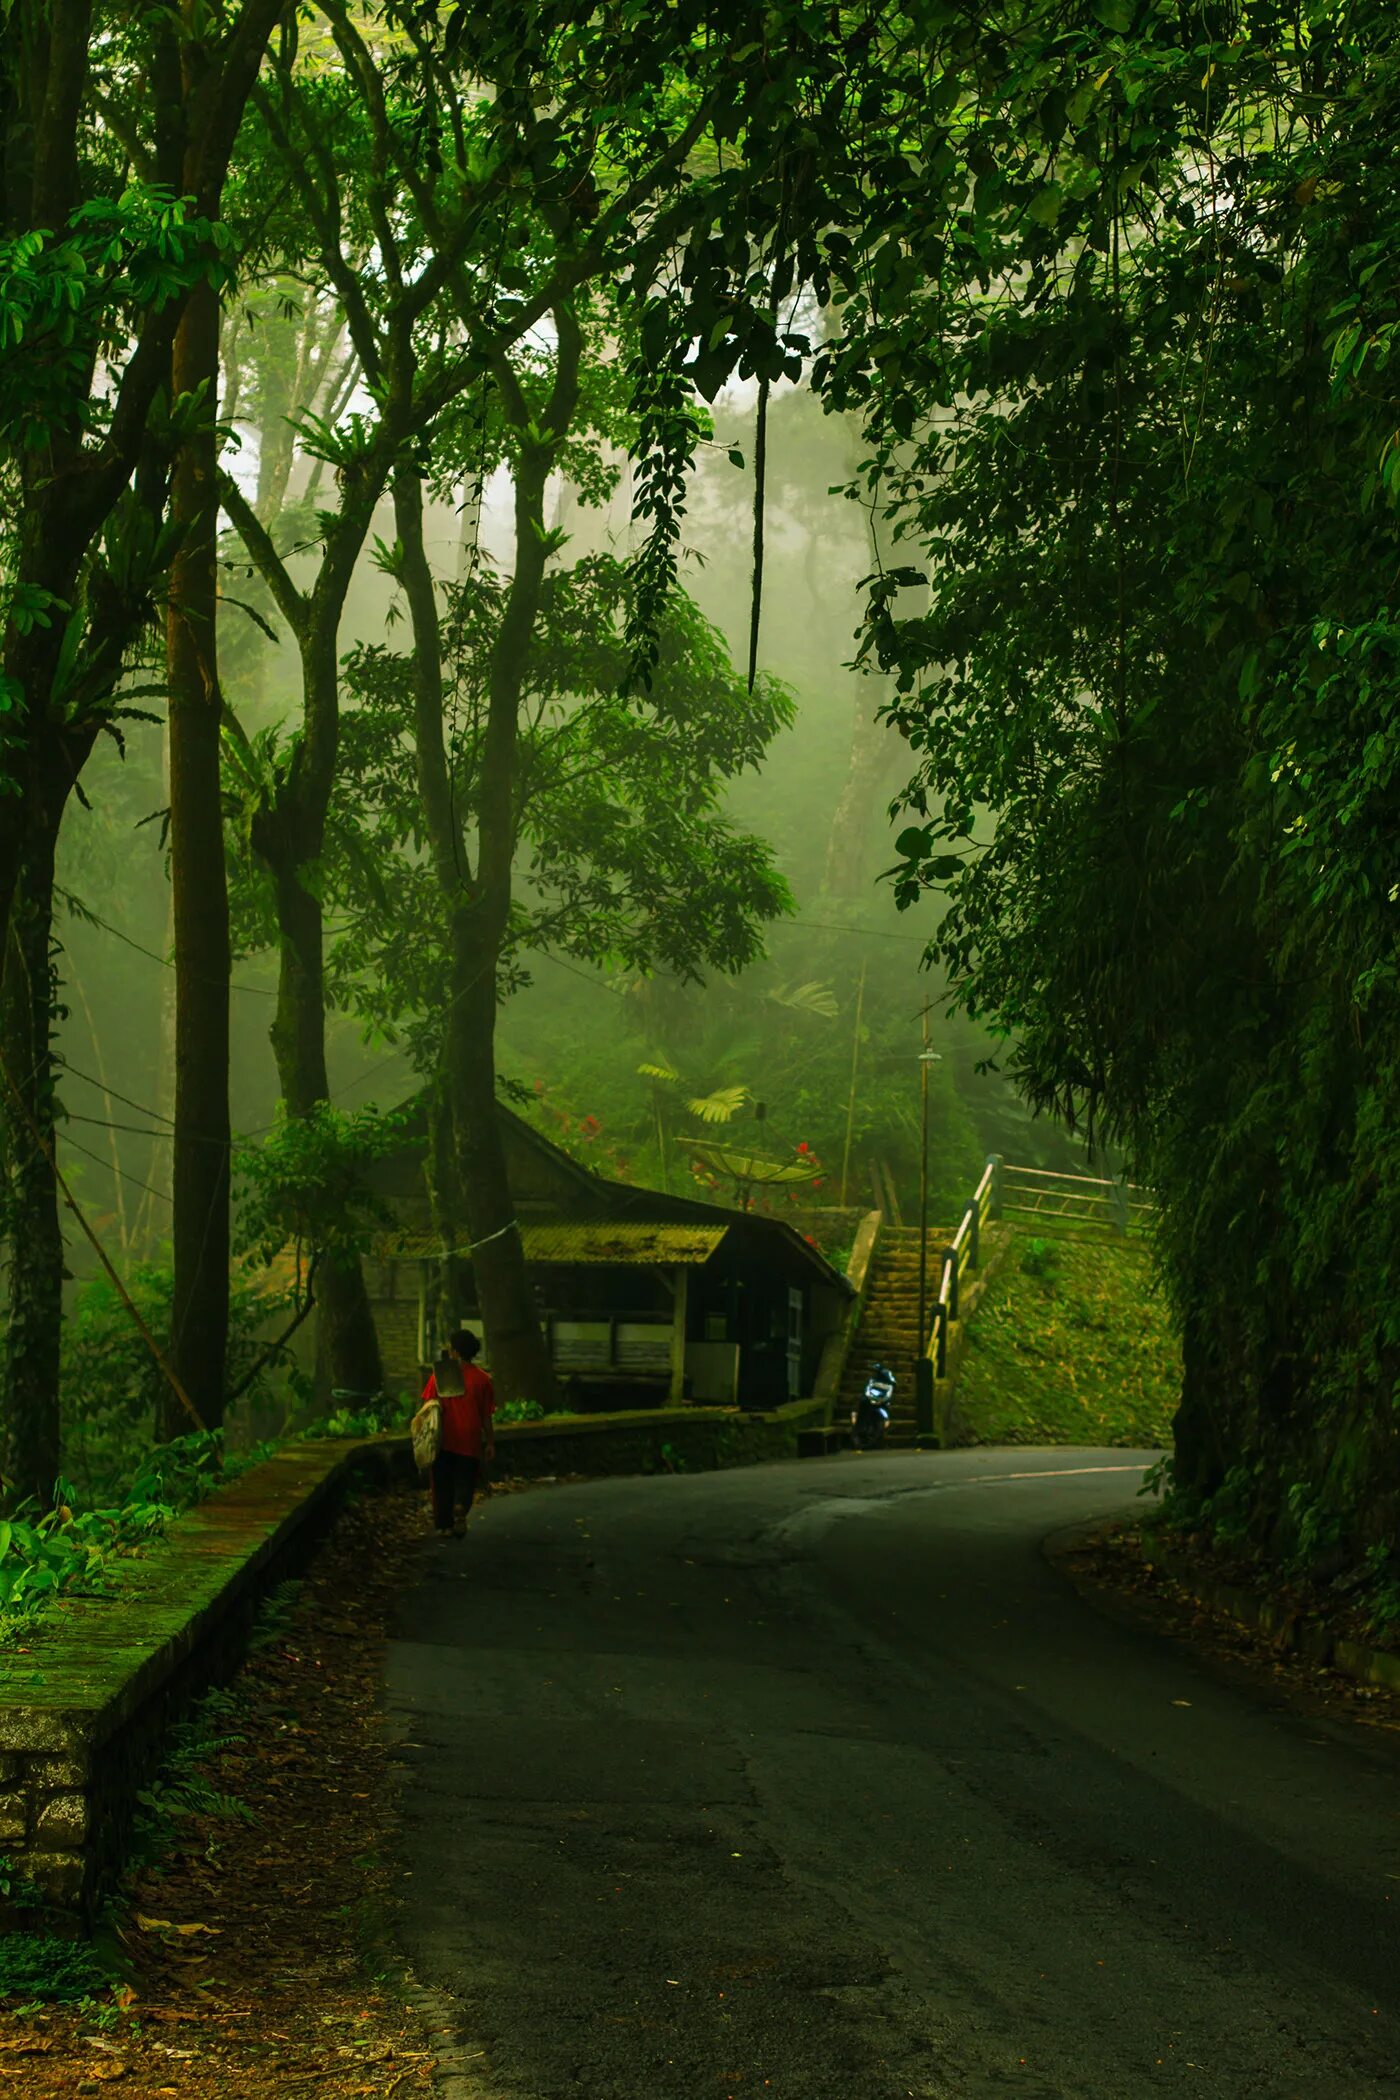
(468, 1401)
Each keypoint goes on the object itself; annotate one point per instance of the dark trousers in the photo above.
(454, 1480)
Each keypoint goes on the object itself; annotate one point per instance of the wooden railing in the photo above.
(963, 1252)
(1035, 1194)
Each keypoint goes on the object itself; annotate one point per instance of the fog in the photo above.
(570, 1030)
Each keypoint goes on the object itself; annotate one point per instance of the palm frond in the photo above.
(720, 1106)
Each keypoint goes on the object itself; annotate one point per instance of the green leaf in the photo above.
(1044, 209)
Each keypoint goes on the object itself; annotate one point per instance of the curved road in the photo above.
(817, 1781)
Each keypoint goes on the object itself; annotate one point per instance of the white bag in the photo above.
(425, 1430)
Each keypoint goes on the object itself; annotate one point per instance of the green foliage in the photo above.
(624, 854)
(370, 1415)
(182, 1472)
(1041, 1259)
(17, 1887)
(1139, 441)
(69, 1552)
(305, 1184)
(179, 1794)
(519, 1411)
(38, 1968)
(112, 1387)
(67, 297)
(47, 1557)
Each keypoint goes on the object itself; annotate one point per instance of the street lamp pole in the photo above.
(923, 1368)
(923, 1188)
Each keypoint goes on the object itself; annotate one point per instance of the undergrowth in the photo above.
(47, 1555)
(1074, 1344)
(39, 1968)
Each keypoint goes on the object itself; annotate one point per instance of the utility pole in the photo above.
(923, 1188)
(855, 1067)
(923, 1369)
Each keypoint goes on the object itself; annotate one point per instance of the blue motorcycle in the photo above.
(872, 1415)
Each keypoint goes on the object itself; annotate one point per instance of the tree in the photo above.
(611, 840)
(108, 249)
(1152, 705)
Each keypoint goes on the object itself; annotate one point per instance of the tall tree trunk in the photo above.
(348, 1342)
(29, 1400)
(200, 1307)
(516, 1347)
(444, 1181)
(289, 835)
(478, 908)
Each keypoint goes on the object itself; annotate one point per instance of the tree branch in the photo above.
(290, 602)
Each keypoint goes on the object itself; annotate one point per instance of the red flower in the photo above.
(804, 1146)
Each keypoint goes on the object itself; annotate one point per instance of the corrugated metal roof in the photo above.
(600, 1241)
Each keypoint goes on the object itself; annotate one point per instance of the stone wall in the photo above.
(84, 1709)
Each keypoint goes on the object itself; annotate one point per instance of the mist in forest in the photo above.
(576, 1036)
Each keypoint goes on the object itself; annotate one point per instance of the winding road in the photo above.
(818, 1781)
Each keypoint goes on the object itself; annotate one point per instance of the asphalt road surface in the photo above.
(816, 1781)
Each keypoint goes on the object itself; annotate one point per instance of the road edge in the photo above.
(1309, 1637)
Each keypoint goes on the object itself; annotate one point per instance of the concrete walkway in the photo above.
(814, 1780)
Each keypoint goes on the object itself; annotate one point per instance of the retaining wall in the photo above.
(84, 1706)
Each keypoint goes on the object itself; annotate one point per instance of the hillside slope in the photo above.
(1074, 1344)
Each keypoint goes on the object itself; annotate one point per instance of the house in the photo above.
(646, 1298)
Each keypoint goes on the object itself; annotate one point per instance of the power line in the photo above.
(108, 1168)
(102, 1087)
(85, 911)
(71, 1115)
(866, 933)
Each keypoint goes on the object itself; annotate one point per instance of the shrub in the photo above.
(113, 1388)
(519, 1411)
(1041, 1259)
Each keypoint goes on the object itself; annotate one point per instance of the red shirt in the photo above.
(466, 1416)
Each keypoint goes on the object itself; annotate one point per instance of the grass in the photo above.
(1073, 1344)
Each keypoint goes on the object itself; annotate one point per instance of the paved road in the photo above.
(816, 1781)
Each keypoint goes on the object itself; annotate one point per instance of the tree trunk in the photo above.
(448, 1208)
(516, 1348)
(30, 1394)
(347, 1341)
(515, 1343)
(199, 1313)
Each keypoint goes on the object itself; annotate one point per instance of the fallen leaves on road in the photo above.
(1113, 1564)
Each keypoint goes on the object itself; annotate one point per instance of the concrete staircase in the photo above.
(889, 1328)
